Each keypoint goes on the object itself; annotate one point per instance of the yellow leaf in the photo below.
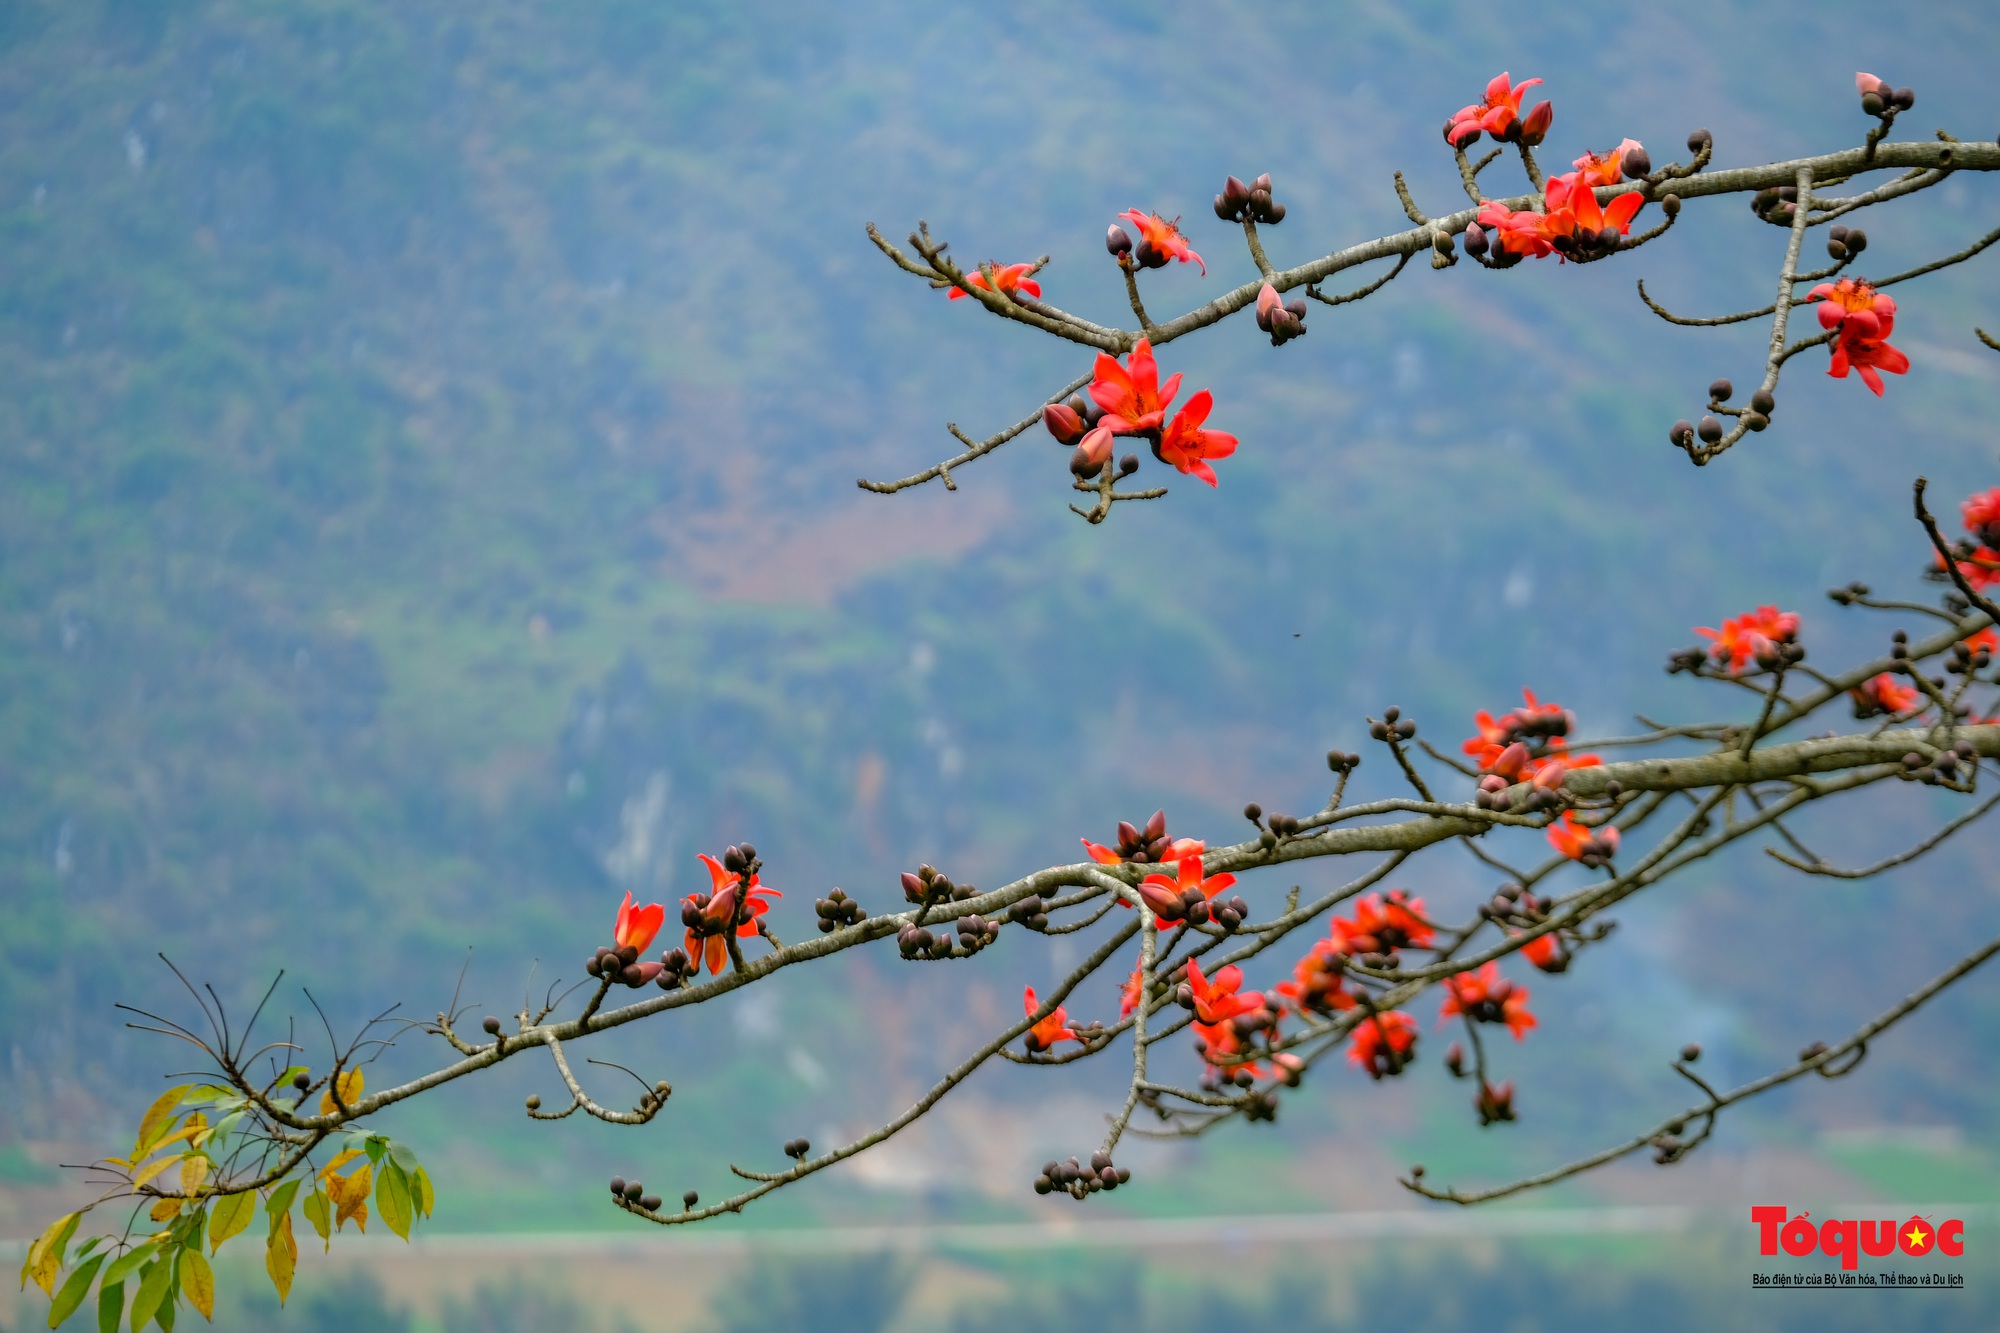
(339, 1162)
(183, 1134)
(349, 1086)
(350, 1195)
(47, 1244)
(194, 1170)
(232, 1213)
(165, 1209)
(319, 1212)
(360, 1217)
(151, 1169)
(158, 1116)
(281, 1257)
(420, 1189)
(198, 1283)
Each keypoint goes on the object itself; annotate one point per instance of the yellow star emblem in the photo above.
(1916, 1237)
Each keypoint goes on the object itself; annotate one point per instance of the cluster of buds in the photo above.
(1069, 421)
(931, 885)
(1192, 906)
(1030, 912)
(1392, 726)
(1593, 848)
(1974, 654)
(1077, 1180)
(1342, 762)
(622, 965)
(1249, 203)
(1878, 99)
(796, 1149)
(1275, 827)
(1512, 905)
(632, 1194)
(1494, 1104)
(1141, 846)
(1756, 417)
(1942, 767)
(1776, 204)
(837, 910)
(1283, 320)
(1844, 243)
(974, 932)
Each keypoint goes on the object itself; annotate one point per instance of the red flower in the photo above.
(1527, 743)
(1545, 952)
(1985, 640)
(1605, 168)
(636, 926)
(1188, 447)
(1593, 847)
(1147, 844)
(708, 915)
(1981, 512)
(1485, 996)
(1524, 235)
(1050, 1030)
(1133, 399)
(1573, 209)
(1751, 635)
(1881, 694)
(1172, 898)
(1008, 280)
(1317, 982)
(1382, 925)
(1159, 241)
(1498, 114)
(1128, 994)
(1383, 1043)
(1217, 1001)
(1864, 318)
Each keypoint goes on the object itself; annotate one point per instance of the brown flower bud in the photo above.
(1117, 240)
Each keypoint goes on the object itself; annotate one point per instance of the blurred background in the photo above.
(427, 451)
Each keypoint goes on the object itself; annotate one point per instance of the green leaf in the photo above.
(85, 1250)
(74, 1290)
(232, 1213)
(392, 1199)
(110, 1306)
(281, 1198)
(223, 1129)
(404, 1156)
(422, 1194)
(125, 1263)
(319, 1211)
(376, 1145)
(164, 1316)
(152, 1291)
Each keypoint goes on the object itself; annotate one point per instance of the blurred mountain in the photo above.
(426, 499)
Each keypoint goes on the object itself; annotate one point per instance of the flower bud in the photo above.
(1762, 401)
(1710, 430)
(1275, 213)
(634, 1191)
(1536, 127)
(617, 1184)
(1128, 465)
(1857, 241)
(1671, 205)
(1475, 239)
(1903, 99)
(1063, 422)
(1117, 240)
(491, 1024)
(1720, 391)
(1637, 162)
(1700, 141)
(650, 1202)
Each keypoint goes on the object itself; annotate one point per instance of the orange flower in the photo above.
(1573, 210)
(1050, 1030)
(1008, 280)
(1382, 925)
(1159, 241)
(1383, 1043)
(1751, 635)
(1187, 446)
(1545, 952)
(1185, 895)
(636, 926)
(1499, 114)
(1593, 847)
(1217, 1001)
(1986, 639)
(1133, 399)
(1864, 319)
(1605, 168)
(707, 916)
(1516, 236)
(1317, 982)
(1981, 512)
(1527, 743)
(1128, 994)
(1485, 996)
(1881, 694)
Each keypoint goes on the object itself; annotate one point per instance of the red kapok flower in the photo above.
(1981, 512)
(1498, 113)
(1382, 925)
(1317, 982)
(1546, 953)
(1573, 209)
(1173, 898)
(1133, 399)
(1382, 1043)
(1006, 280)
(1522, 235)
(1883, 694)
(1143, 845)
(1986, 640)
(1864, 319)
(1162, 238)
(1485, 996)
(1187, 447)
(1593, 847)
(1217, 1001)
(1751, 635)
(636, 926)
(1605, 168)
(1128, 994)
(708, 916)
(1050, 1030)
